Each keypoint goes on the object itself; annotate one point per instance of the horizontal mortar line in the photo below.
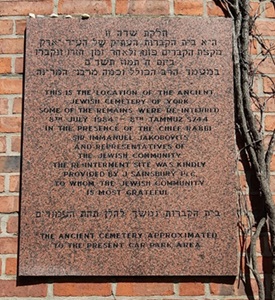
(10, 134)
(11, 36)
(12, 95)
(8, 236)
(262, 75)
(10, 154)
(270, 37)
(267, 75)
(5, 256)
(11, 76)
(14, 173)
(9, 277)
(265, 36)
(9, 194)
(20, 17)
(11, 115)
(12, 277)
(265, 17)
(265, 95)
(6, 215)
(12, 73)
(12, 55)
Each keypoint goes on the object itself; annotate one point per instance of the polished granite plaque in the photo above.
(128, 148)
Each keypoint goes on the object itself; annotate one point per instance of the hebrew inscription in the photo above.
(128, 148)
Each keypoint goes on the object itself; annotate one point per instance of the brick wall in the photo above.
(13, 16)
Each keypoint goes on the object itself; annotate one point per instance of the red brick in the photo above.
(221, 289)
(20, 26)
(11, 46)
(268, 47)
(240, 165)
(191, 289)
(269, 104)
(11, 266)
(139, 7)
(268, 85)
(10, 124)
(272, 183)
(144, 289)
(269, 123)
(3, 144)
(253, 47)
(9, 164)
(10, 86)
(256, 83)
(6, 26)
(243, 182)
(8, 288)
(272, 164)
(4, 106)
(8, 245)
(14, 183)
(19, 8)
(269, 10)
(189, 7)
(8, 204)
(2, 184)
(0, 263)
(15, 143)
(82, 289)
(5, 65)
(255, 9)
(73, 7)
(19, 65)
(265, 27)
(267, 66)
(17, 105)
(266, 141)
(213, 9)
(239, 288)
(12, 225)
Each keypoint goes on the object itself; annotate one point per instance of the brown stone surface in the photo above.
(128, 148)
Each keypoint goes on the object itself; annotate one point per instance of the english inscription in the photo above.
(128, 148)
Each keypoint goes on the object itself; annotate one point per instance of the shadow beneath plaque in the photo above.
(31, 280)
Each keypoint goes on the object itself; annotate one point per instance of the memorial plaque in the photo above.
(128, 148)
